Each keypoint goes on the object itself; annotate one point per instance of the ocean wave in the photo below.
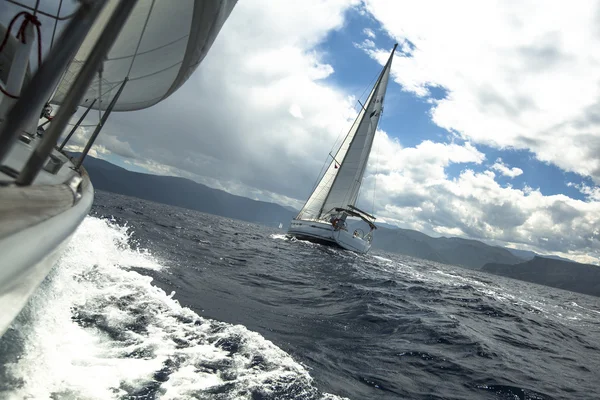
(99, 329)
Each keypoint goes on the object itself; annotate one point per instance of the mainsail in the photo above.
(340, 185)
(157, 50)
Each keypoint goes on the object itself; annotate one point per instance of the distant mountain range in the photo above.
(473, 254)
(184, 193)
(568, 275)
(529, 255)
(456, 251)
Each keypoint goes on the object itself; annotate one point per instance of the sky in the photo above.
(491, 128)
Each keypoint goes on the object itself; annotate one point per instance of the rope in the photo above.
(29, 18)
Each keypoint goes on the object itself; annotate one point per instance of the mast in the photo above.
(339, 186)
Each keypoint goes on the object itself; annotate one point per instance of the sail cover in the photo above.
(159, 47)
(340, 185)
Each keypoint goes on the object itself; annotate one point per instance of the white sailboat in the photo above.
(116, 55)
(323, 217)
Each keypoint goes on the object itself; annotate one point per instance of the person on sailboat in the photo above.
(333, 220)
(342, 223)
(47, 114)
(339, 222)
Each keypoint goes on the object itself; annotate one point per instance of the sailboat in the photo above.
(112, 55)
(323, 218)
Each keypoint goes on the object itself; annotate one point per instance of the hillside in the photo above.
(581, 278)
(184, 193)
(456, 251)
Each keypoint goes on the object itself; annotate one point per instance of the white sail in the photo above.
(159, 47)
(340, 185)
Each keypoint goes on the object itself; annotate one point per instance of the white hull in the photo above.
(44, 195)
(323, 232)
(36, 223)
(14, 298)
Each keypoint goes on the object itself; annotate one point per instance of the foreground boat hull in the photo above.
(38, 222)
(324, 233)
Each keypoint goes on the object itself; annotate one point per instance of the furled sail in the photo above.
(340, 185)
(159, 47)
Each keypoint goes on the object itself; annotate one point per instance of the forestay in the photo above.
(340, 185)
(160, 46)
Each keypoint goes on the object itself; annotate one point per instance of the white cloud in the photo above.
(106, 143)
(591, 192)
(518, 75)
(506, 170)
(367, 43)
(369, 33)
(257, 111)
(258, 118)
(413, 191)
(296, 111)
(156, 168)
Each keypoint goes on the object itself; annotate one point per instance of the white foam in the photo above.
(382, 259)
(99, 330)
(279, 236)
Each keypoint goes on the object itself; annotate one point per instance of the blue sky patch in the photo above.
(407, 117)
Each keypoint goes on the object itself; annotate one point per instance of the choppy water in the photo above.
(152, 301)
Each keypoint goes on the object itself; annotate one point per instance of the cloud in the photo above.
(296, 111)
(260, 115)
(258, 100)
(367, 43)
(517, 75)
(413, 191)
(106, 143)
(591, 192)
(506, 170)
(369, 33)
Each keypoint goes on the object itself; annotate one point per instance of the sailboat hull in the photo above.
(37, 223)
(324, 233)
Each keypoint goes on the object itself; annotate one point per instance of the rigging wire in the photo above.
(128, 72)
(140, 39)
(56, 17)
(100, 93)
(342, 130)
(376, 164)
(55, 24)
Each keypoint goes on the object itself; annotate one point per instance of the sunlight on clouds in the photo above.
(506, 170)
(296, 111)
(476, 206)
(518, 75)
(261, 114)
(259, 100)
(426, 161)
(592, 193)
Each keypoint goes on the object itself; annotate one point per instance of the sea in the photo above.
(151, 301)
